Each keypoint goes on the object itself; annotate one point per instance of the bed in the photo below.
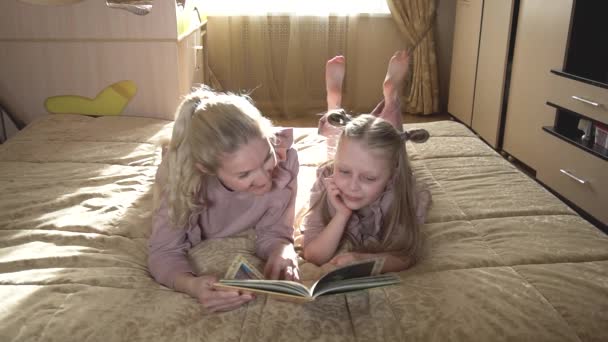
(503, 259)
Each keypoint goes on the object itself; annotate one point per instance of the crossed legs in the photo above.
(389, 108)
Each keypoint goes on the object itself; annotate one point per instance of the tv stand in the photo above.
(546, 105)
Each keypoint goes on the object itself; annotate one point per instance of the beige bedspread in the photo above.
(503, 259)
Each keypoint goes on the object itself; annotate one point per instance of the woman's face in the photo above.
(249, 168)
(360, 174)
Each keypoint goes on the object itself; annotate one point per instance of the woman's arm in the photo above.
(167, 247)
(212, 299)
(274, 241)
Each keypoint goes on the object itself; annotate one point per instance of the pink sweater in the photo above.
(271, 215)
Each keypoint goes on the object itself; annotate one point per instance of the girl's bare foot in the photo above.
(395, 77)
(334, 76)
(394, 81)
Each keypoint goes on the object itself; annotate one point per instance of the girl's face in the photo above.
(360, 174)
(249, 168)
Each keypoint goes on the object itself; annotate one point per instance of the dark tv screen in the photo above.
(587, 55)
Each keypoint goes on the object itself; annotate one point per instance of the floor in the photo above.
(311, 121)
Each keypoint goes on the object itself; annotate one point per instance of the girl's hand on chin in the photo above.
(335, 197)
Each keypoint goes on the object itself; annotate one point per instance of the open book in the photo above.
(357, 276)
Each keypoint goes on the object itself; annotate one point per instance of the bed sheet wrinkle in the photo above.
(449, 147)
(372, 316)
(28, 309)
(577, 291)
(76, 128)
(543, 239)
(502, 259)
(496, 303)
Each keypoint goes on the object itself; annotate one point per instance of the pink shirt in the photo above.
(364, 224)
(271, 215)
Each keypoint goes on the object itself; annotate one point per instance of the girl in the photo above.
(225, 171)
(365, 199)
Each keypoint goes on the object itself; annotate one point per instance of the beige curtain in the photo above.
(281, 59)
(416, 21)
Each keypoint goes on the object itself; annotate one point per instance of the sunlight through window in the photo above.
(298, 7)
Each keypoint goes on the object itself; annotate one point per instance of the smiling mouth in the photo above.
(258, 187)
(350, 198)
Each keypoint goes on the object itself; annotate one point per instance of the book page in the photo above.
(361, 275)
(242, 269)
(242, 275)
(347, 285)
(278, 286)
(356, 270)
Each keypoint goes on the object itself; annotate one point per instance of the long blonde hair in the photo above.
(400, 230)
(208, 125)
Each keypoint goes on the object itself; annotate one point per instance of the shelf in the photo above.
(590, 146)
(581, 79)
(560, 108)
(566, 128)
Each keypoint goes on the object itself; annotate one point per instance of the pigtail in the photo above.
(183, 181)
(402, 225)
(401, 229)
(338, 118)
(415, 135)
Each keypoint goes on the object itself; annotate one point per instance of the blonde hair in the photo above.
(400, 230)
(208, 125)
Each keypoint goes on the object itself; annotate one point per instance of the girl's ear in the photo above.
(202, 169)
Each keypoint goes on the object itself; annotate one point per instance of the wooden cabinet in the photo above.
(580, 177)
(512, 82)
(465, 49)
(81, 49)
(579, 97)
(479, 65)
(546, 106)
(492, 69)
(540, 45)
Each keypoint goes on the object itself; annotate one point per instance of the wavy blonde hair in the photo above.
(209, 124)
(400, 230)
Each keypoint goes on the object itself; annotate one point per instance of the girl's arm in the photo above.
(320, 249)
(323, 246)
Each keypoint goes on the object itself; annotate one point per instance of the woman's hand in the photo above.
(335, 197)
(212, 299)
(282, 264)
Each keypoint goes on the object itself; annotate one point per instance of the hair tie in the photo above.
(415, 135)
(338, 118)
(195, 103)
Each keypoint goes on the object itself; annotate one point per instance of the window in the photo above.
(298, 7)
